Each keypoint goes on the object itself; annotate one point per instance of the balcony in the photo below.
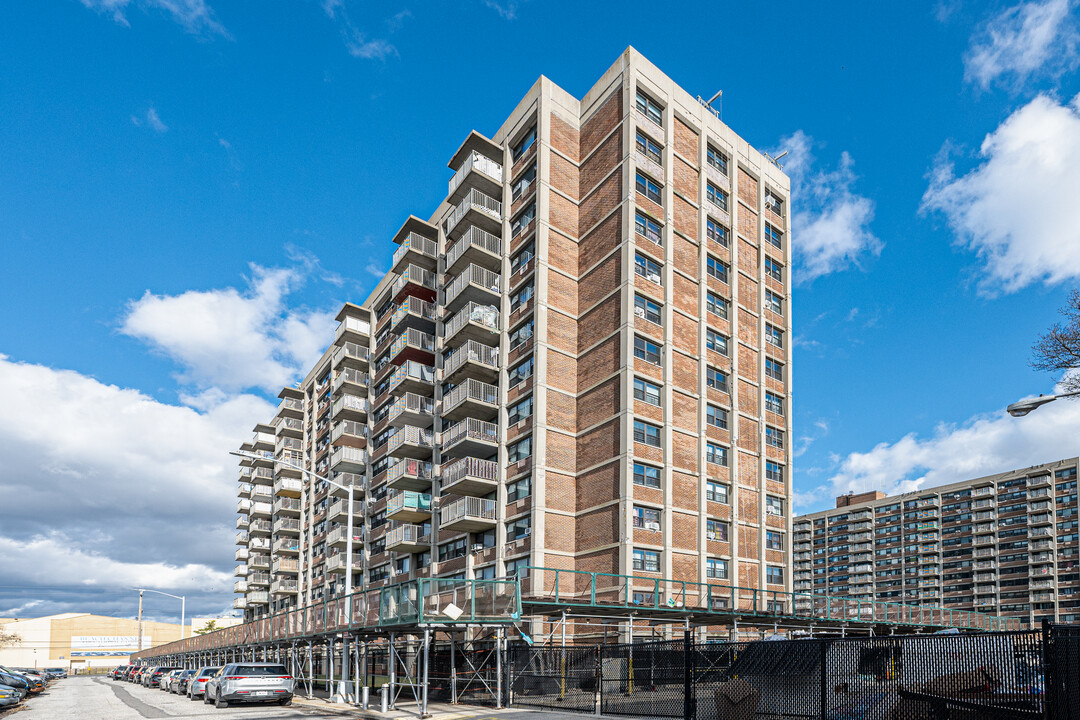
(350, 407)
(409, 474)
(288, 487)
(240, 570)
(243, 505)
(471, 437)
(354, 355)
(239, 603)
(287, 546)
(258, 544)
(927, 502)
(480, 210)
(287, 526)
(982, 491)
(467, 514)
(353, 481)
(348, 459)
(475, 246)
(260, 510)
(1040, 532)
(262, 441)
(415, 249)
(241, 554)
(469, 476)
(1040, 493)
(286, 565)
(290, 427)
(1042, 558)
(1042, 571)
(412, 344)
(1040, 481)
(414, 281)
(1041, 545)
(1041, 519)
(284, 587)
(287, 506)
(262, 476)
(336, 563)
(475, 284)
(410, 442)
(412, 409)
(258, 598)
(258, 561)
(472, 322)
(340, 535)
(413, 313)
(349, 433)
(352, 330)
(339, 511)
(353, 380)
(472, 360)
(258, 578)
(477, 171)
(412, 377)
(471, 398)
(985, 602)
(408, 506)
(408, 538)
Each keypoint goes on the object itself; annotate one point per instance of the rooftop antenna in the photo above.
(708, 103)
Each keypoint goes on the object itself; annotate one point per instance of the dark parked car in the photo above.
(157, 674)
(57, 672)
(178, 682)
(17, 682)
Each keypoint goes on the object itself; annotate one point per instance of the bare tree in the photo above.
(1059, 349)
(9, 639)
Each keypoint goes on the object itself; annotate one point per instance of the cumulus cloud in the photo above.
(231, 339)
(1017, 209)
(195, 16)
(831, 225)
(1023, 41)
(106, 488)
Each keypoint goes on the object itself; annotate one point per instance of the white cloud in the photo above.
(985, 444)
(230, 339)
(358, 43)
(831, 225)
(507, 9)
(1023, 41)
(106, 488)
(360, 46)
(1017, 210)
(194, 15)
(154, 121)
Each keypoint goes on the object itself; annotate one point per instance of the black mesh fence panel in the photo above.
(645, 679)
(1062, 672)
(469, 669)
(555, 678)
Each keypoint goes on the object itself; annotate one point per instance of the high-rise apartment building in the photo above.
(581, 360)
(1004, 544)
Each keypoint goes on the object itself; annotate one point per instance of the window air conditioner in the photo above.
(652, 526)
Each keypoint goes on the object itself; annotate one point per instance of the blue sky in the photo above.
(189, 190)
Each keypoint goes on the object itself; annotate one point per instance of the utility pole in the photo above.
(140, 620)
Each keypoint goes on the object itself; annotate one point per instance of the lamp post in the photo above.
(181, 598)
(1023, 407)
(342, 688)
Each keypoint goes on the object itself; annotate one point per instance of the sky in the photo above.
(189, 190)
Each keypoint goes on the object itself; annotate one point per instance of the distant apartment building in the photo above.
(581, 360)
(1005, 544)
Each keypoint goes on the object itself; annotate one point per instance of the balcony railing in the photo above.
(474, 237)
(414, 275)
(478, 200)
(471, 351)
(470, 390)
(350, 402)
(419, 469)
(407, 500)
(417, 243)
(411, 370)
(286, 565)
(474, 275)
(291, 404)
(411, 403)
(283, 586)
(414, 307)
(351, 428)
(485, 315)
(473, 429)
(467, 507)
(469, 467)
(350, 375)
(480, 163)
(337, 562)
(351, 350)
(412, 338)
(353, 325)
(340, 535)
(412, 436)
(408, 533)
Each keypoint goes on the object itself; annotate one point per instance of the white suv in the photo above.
(250, 682)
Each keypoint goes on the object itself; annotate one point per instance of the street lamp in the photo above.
(348, 548)
(1023, 407)
(182, 600)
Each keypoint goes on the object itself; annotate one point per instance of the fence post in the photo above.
(1050, 694)
(599, 699)
(824, 649)
(689, 712)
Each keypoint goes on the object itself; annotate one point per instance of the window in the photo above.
(518, 568)
(715, 454)
(774, 302)
(523, 183)
(716, 568)
(521, 372)
(519, 489)
(648, 106)
(486, 539)
(716, 342)
(715, 379)
(774, 438)
(774, 335)
(519, 450)
(520, 411)
(716, 530)
(774, 403)
(521, 335)
(774, 202)
(716, 232)
(648, 187)
(774, 269)
(716, 268)
(645, 308)
(648, 227)
(716, 492)
(452, 549)
(522, 220)
(646, 433)
(520, 528)
(522, 296)
(774, 540)
(773, 236)
(716, 305)
(647, 268)
(646, 392)
(524, 143)
(717, 159)
(484, 573)
(522, 256)
(774, 471)
(774, 574)
(774, 506)
(646, 475)
(716, 196)
(646, 560)
(647, 351)
(646, 518)
(644, 598)
(648, 148)
(379, 574)
(717, 417)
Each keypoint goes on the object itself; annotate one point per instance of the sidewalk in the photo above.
(437, 711)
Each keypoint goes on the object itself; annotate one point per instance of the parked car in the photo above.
(157, 674)
(250, 682)
(119, 672)
(9, 696)
(179, 682)
(34, 684)
(197, 684)
(17, 682)
(134, 673)
(57, 672)
(166, 681)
